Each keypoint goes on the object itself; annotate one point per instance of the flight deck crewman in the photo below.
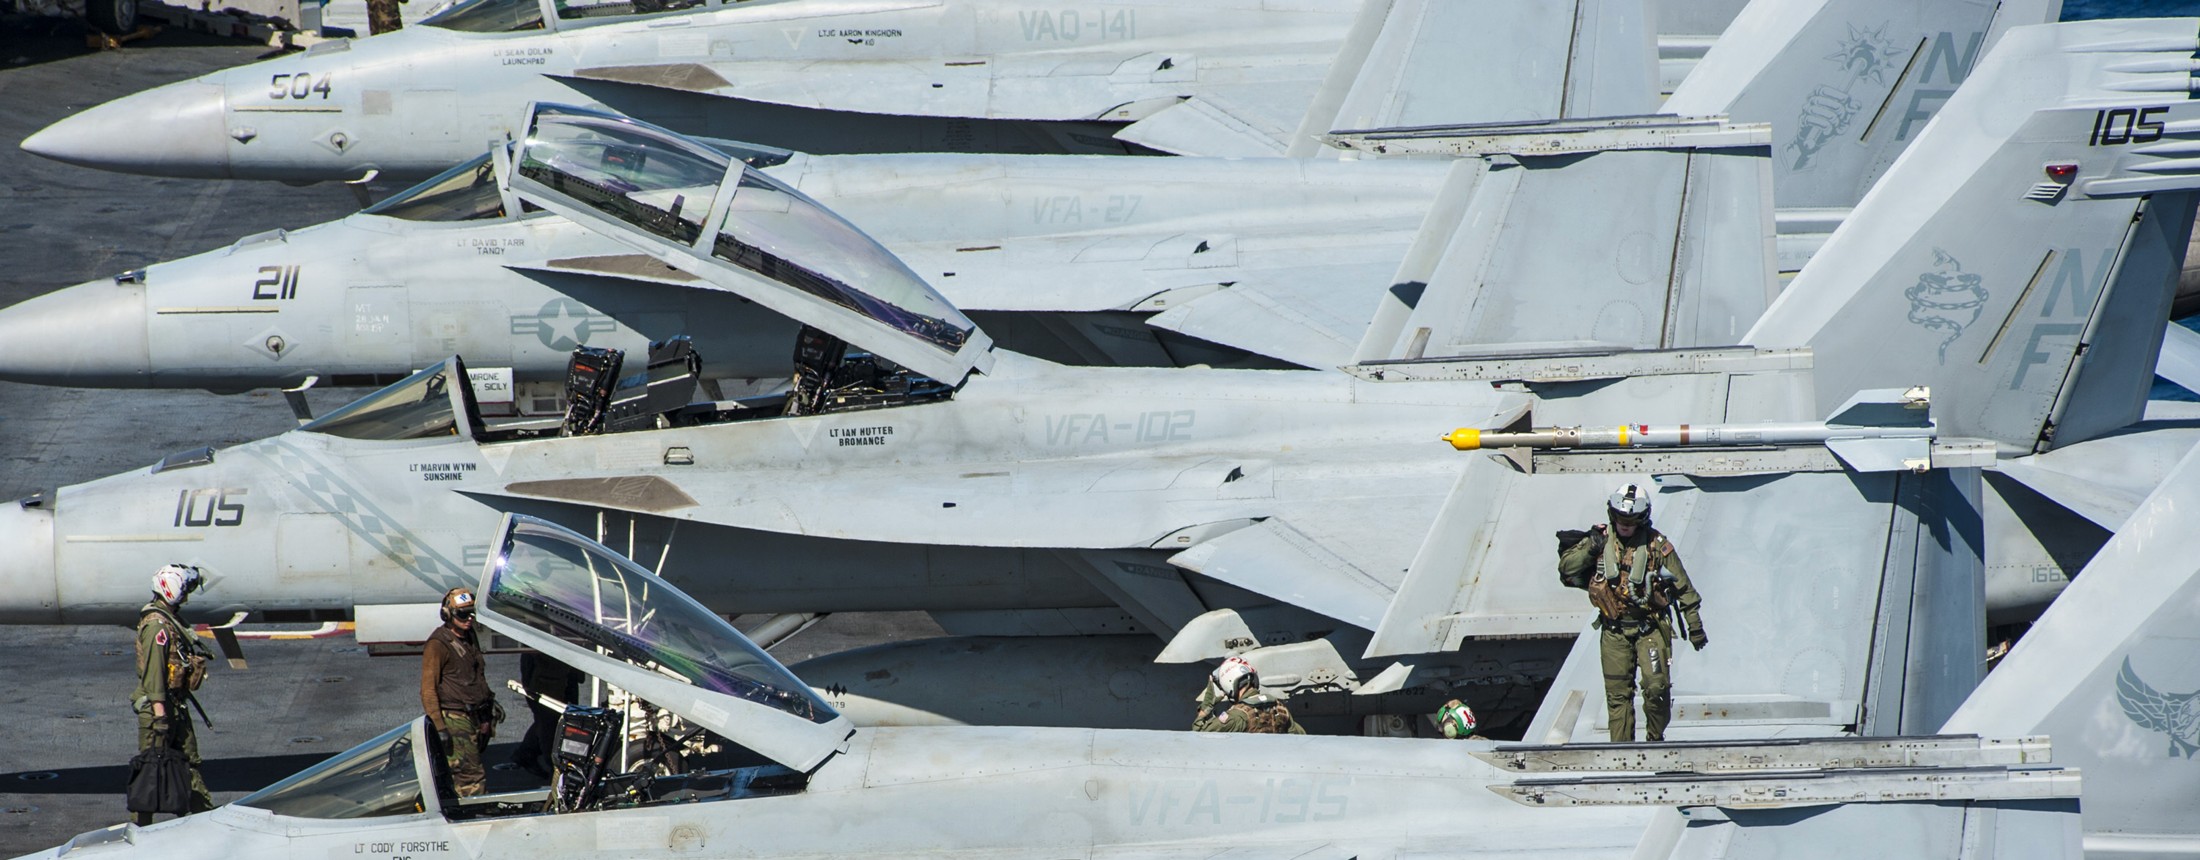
(171, 664)
(1635, 579)
(1456, 720)
(1233, 702)
(454, 690)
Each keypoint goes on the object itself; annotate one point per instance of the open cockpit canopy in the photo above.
(710, 214)
(594, 610)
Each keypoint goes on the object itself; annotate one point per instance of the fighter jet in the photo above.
(1275, 498)
(834, 77)
(818, 786)
(1222, 262)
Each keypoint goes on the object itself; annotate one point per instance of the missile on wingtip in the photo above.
(1877, 414)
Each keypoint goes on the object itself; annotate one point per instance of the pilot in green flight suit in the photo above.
(170, 666)
(1635, 579)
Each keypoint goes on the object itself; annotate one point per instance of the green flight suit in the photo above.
(163, 645)
(1261, 714)
(1639, 637)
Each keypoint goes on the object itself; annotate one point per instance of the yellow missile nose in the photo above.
(1464, 438)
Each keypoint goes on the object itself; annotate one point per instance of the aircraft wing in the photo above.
(2105, 479)
(1057, 503)
(1401, 65)
(1092, 84)
(1303, 299)
(1320, 533)
(1660, 232)
(1304, 567)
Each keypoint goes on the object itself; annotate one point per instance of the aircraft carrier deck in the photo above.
(66, 731)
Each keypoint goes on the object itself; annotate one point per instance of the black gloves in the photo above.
(443, 737)
(1697, 638)
(160, 727)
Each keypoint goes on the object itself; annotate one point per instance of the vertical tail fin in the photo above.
(2111, 673)
(2021, 256)
(1846, 84)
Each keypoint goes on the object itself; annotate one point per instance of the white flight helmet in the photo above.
(1236, 677)
(175, 582)
(1630, 504)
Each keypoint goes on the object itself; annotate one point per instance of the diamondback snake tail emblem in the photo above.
(1946, 299)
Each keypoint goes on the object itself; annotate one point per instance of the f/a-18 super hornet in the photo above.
(832, 76)
(1224, 262)
(1221, 510)
(813, 784)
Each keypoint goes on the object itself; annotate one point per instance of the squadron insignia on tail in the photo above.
(2173, 714)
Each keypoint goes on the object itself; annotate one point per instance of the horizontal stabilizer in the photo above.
(1279, 561)
(2106, 505)
(2179, 361)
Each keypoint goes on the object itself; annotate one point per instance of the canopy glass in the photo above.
(371, 780)
(545, 578)
(416, 407)
(467, 192)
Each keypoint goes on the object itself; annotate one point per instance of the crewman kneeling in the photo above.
(1233, 702)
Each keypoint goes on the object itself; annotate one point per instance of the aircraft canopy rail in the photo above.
(379, 778)
(512, 16)
(710, 214)
(488, 16)
(594, 610)
(416, 407)
(468, 192)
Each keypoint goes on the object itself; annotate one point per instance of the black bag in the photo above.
(160, 781)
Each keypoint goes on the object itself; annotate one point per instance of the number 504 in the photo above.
(298, 86)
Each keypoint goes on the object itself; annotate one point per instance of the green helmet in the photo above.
(1456, 719)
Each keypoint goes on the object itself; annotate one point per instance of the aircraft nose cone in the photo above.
(87, 335)
(29, 592)
(175, 130)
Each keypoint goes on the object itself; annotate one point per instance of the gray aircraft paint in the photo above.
(1327, 435)
(1278, 290)
(1050, 793)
